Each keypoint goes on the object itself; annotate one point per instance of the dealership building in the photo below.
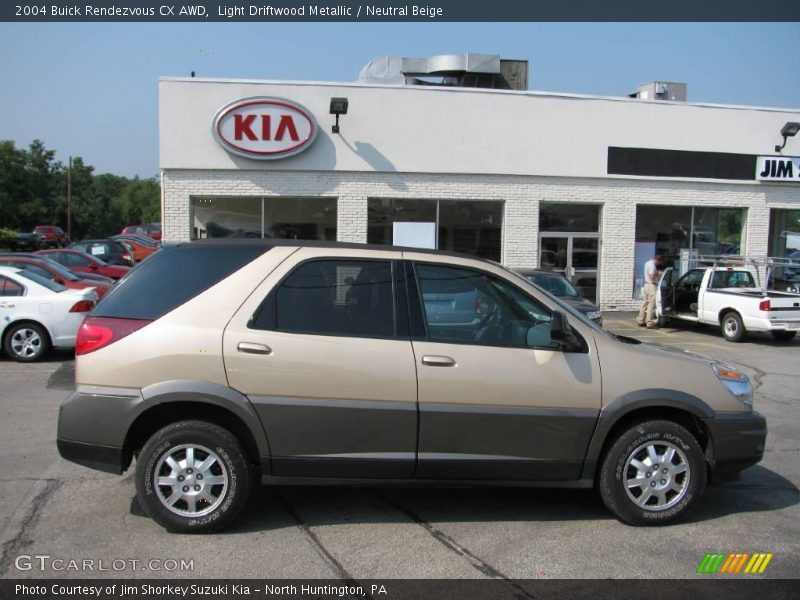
(455, 152)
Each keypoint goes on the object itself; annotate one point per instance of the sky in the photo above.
(91, 89)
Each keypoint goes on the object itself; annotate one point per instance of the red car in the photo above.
(53, 237)
(80, 262)
(142, 246)
(151, 231)
(50, 269)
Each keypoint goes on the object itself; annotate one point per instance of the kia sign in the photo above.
(264, 128)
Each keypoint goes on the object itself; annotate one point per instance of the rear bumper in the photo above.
(737, 442)
(775, 323)
(92, 426)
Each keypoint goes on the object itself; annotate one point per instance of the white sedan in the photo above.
(37, 314)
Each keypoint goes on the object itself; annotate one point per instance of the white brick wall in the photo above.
(521, 196)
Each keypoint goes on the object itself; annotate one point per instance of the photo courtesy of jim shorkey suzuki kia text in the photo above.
(122, 590)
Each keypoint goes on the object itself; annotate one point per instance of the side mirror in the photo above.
(93, 266)
(59, 281)
(561, 332)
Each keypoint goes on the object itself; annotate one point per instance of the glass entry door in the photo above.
(574, 255)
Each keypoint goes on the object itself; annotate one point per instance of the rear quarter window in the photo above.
(172, 277)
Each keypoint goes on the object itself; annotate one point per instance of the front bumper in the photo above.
(737, 442)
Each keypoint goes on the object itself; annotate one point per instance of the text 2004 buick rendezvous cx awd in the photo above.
(216, 363)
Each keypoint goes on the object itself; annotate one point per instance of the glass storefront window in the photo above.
(784, 242)
(666, 230)
(567, 216)
(277, 218)
(384, 213)
(469, 226)
(784, 232)
(226, 217)
(472, 227)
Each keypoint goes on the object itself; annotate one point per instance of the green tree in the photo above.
(140, 201)
(33, 191)
(29, 183)
(108, 218)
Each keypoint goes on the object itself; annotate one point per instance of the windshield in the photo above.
(61, 270)
(558, 286)
(46, 283)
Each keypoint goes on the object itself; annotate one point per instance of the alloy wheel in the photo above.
(191, 480)
(657, 475)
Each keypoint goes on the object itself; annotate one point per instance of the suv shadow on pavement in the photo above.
(276, 507)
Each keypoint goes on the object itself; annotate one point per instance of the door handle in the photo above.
(438, 361)
(251, 348)
(4, 305)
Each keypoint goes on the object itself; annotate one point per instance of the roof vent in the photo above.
(661, 90)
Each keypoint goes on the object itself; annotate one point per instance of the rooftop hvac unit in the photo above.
(451, 70)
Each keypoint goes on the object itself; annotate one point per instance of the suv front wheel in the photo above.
(192, 477)
(652, 473)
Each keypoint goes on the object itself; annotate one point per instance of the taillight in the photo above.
(764, 305)
(98, 332)
(82, 306)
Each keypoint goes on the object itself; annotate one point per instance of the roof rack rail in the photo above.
(762, 265)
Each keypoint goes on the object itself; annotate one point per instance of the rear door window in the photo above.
(349, 298)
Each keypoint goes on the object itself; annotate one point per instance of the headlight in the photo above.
(738, 383)
(595, 314)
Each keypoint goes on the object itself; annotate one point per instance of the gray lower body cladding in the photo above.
(351, 439)
(373, 441)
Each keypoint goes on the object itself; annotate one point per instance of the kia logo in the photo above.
(264, 128)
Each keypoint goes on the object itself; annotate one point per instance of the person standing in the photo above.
(647, 310)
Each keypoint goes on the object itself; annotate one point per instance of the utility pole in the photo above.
(69, 200)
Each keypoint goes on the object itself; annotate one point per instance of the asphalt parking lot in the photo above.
(51, 507)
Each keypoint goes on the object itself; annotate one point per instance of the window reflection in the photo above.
(469, 226)
(276, 218)
(666, 230)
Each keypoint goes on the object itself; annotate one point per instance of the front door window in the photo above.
(469, 307)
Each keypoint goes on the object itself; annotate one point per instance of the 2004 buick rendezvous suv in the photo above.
(216, 363)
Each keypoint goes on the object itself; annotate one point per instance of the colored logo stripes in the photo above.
(736, 562)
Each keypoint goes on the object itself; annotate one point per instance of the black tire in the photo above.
(783, 336)
(616, 471)
(225, 501)
(732, 327)
(26, 342)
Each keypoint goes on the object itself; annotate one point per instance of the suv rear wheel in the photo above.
(652, 473)
(192, 477)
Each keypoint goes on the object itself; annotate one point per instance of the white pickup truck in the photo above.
(729, 298)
